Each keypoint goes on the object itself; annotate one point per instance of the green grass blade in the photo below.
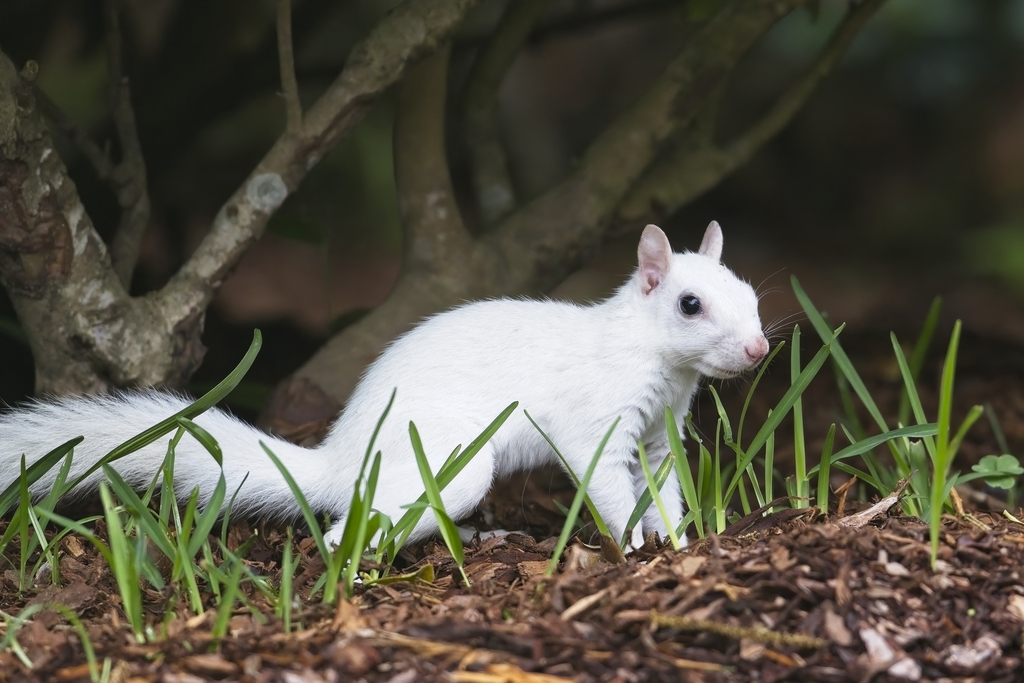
(691, 495)
(720, 523)
(602, 528)
(197, 407)
(689, 518)
(704, 478)
(123, 565)
(750, 392)
(59, 487)
(284, 601)
(356, 536)
(12, 493)
(910, 395)
(823, 470)
(300, 499)
(204, 438)
(769, 467)
(577, 502)
(723, 416)
(433, 492)
(455, 464)
(660, 477)
(653, 487)
(227, 602)
(943, 455)
(346, 557)
(693, 492)
(168, 496)
(140, 513)
(25, 504)
(972, 416)
(799, 444)
(774, 419)
(183, 569)
(450, 534)
(924, 341)
(205, 521)
(911, 432)
(825, 332)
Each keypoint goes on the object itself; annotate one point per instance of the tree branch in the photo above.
(97, 158)
(86, 333)
(544, 240)
(286, 56)
(538, 245)
(494, 191)
(432, 225)
(412, 30)
(693, 167)
(441, 261)
(129, 176)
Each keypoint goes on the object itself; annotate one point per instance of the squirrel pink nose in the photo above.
(756, 349)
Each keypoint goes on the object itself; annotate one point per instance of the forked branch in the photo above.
(537, 245)
(411, 31)
(545, 239)
(697, 164)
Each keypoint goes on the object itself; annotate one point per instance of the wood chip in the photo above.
(210, 665)
(836, 630)
(582, 605)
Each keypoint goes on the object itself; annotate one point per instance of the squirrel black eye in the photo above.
(689, 305)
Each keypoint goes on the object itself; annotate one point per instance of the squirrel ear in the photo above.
(711, 245)
(655, 257)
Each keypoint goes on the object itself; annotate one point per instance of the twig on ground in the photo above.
(755, 633)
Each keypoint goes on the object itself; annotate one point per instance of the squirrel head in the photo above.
(705, 316)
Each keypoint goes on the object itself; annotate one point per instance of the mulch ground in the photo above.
(798, 597)
(809, 600)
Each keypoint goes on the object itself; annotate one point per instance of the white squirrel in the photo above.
(574, 368)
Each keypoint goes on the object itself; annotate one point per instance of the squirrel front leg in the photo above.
(612, 494)
(671, 494)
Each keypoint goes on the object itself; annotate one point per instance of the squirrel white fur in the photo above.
(574, 368)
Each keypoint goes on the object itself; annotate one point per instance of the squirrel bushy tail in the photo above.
(107, 421)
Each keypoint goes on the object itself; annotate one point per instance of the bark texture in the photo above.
(87, 334)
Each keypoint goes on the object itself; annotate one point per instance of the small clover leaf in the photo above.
(1000, 471)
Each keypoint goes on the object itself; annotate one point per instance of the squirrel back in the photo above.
(574, 368)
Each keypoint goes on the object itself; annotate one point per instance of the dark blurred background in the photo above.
(902, 177)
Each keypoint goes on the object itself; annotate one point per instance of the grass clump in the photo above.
(154, 540)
